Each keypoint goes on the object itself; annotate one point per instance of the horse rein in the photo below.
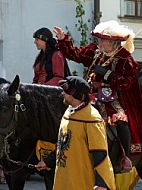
(11, 130)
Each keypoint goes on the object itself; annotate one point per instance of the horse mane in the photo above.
(44, 105)
(3, 81)
(44, 108)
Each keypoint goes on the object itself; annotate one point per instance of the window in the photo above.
(133, 8)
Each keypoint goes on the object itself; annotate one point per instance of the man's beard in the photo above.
(102, 49)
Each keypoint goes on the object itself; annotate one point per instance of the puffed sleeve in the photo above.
(57, 69)
(126, 73)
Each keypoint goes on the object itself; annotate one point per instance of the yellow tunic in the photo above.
(74, 165)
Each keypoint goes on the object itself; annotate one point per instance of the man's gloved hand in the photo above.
(108, 74)
(100, 70)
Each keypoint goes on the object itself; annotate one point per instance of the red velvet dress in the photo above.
(40, 74)
(125, 80)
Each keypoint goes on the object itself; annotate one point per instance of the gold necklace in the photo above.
(97, 54)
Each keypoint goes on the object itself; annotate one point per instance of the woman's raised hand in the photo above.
(59, 33)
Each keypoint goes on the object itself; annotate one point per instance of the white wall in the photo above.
(20, 18)
(110, 9)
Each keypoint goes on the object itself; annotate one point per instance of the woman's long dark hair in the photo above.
(42, 57)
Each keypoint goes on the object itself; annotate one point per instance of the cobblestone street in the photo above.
(139, 185)
(37, 183)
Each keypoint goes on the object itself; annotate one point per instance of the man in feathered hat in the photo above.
(114, 72)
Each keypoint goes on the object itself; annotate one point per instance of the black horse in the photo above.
(28, 113)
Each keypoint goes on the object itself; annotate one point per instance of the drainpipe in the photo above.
(97, 11)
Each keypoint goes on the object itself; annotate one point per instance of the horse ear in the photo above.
(14, 85)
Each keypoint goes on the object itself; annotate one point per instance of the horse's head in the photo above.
(7, 98)
(30, 107)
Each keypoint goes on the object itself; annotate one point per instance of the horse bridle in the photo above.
(10, 130)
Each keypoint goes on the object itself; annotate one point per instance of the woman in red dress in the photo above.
(49, 64)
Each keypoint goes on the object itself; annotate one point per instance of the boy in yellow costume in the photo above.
(82, 160)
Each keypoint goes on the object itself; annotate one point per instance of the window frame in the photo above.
(136, 9)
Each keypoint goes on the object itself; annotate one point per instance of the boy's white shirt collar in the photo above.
(73, 109)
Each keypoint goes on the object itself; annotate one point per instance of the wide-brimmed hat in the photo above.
(75, 86)
(112, 30)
